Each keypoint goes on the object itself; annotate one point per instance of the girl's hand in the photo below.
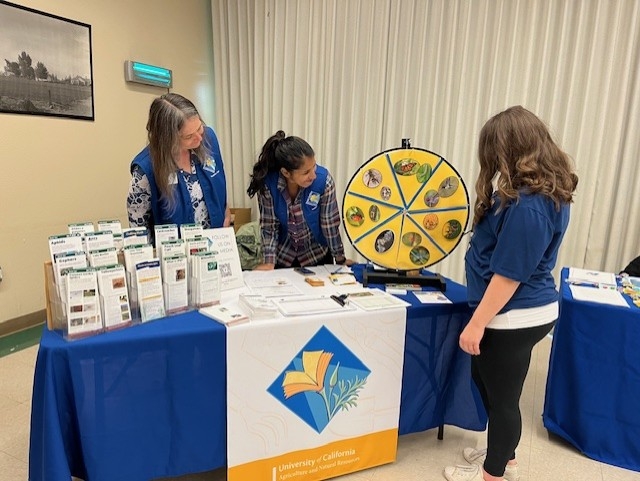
(470, 338)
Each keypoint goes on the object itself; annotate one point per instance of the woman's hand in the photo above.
(264, 267)
(227, 218)
(498, 293)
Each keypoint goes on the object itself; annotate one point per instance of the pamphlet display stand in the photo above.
(137, 287)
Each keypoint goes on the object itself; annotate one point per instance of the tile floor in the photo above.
(421, 457)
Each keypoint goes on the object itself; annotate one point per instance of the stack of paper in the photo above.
(592, 278)
(175, 283)
(204, 279)
(133, 255)
(83, 307)
(114, 297)
(258, 307)
(149, 283)
(375, 299)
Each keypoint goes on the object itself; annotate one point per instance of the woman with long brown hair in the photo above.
(524, 191)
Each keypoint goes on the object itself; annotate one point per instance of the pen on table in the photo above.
(583, 283)
(337, 271)
(339, 299)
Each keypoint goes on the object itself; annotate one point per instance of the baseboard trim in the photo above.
(23, 322)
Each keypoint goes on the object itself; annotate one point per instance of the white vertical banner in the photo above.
(313, 397)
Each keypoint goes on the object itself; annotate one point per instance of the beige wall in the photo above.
(55, 170)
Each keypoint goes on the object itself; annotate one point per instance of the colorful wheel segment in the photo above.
(405, 209)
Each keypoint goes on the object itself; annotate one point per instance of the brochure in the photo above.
(189, 231)
(175, 283)
(165, 232)
(83, 308)
(118, 241)
(431, 297)
(63, 262)
(223, 242)
(132, 256)
(98, 240)
(114, 297)
(205, 280)
(225, 315)
(82, 228)
(114, 225)
(103, 257)
(149, 283)
(64, 243)
(170, 248)
(196, 244)
(134, 236)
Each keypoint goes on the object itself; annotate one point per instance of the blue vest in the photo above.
(310, 203)
(212, 181)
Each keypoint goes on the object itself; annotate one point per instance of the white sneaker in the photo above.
(463, 473)
(477, 456)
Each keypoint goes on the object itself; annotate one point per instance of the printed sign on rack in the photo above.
(223, 241)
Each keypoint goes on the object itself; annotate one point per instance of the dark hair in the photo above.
(278, 152)
(167, 115)
(517, 145)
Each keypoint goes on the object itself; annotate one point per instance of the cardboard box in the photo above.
(240, 216)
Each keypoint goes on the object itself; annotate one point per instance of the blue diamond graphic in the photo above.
(324, 378)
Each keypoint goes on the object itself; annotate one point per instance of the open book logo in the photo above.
(323, 379)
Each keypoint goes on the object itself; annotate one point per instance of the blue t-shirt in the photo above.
(520, 242)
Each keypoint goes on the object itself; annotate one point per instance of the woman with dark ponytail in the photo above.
(299, 215)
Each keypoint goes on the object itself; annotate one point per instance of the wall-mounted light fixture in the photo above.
(147, 74)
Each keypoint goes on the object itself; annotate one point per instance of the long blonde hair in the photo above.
(167, 115)
(517, 145)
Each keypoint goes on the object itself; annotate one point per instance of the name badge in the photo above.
(210, 166)
(313, 199)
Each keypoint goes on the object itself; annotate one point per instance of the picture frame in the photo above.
(48, 65)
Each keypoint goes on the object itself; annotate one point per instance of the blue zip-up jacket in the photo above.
(310, 203)
(212, 181)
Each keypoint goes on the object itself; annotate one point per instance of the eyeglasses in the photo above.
(191, 135)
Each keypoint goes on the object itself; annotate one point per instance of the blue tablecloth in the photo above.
(141, 403)
(593, 387)
(150, 401)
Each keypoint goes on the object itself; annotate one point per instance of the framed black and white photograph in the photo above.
(47, 64)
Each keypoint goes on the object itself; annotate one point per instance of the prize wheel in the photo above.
(405, 209)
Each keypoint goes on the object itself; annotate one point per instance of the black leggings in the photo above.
(499, 372)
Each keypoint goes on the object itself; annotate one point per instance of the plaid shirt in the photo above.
(299, 243)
